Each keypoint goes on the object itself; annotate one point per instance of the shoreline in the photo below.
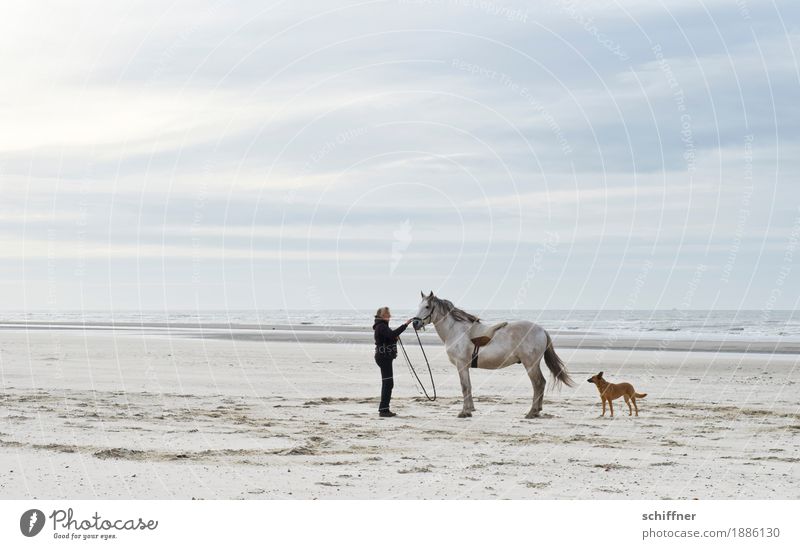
(356, 335)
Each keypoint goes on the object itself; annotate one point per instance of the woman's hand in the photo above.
(409, 321)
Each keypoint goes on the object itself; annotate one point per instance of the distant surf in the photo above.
(699, 324)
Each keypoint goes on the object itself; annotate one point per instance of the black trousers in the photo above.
(387, 379)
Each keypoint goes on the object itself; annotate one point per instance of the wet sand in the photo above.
(302, 333)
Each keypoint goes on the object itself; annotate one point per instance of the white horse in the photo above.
(515, 342)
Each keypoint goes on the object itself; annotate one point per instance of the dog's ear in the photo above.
(600, 374)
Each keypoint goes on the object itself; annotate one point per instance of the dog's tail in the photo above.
(556, 365)
(640, 395)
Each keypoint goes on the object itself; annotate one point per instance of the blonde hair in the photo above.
(381, 311)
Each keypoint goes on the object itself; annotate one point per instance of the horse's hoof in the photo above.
(531, 415)
(465, 414)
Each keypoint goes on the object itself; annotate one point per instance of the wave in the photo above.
(744, 323)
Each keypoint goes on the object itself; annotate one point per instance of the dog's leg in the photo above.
(611, 406)
(628, 402)
(604, 407)
(633, 398)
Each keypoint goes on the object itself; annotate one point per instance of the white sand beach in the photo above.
(128, 413)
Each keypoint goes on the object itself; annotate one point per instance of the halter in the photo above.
(426, 319)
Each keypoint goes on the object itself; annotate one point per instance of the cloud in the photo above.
(293, 132)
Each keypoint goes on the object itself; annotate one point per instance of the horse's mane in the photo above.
(450, 309)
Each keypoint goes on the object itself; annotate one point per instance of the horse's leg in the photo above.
(466, 391)
(538, 381)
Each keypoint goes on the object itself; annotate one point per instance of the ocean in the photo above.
(742, 324)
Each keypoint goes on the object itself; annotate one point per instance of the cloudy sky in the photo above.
(315, 155)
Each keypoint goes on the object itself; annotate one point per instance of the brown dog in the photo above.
(612, 391)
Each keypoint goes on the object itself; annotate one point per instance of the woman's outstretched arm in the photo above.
(402, 328)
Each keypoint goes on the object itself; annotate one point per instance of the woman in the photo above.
(385, 353)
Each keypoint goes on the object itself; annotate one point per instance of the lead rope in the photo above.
(430, 372)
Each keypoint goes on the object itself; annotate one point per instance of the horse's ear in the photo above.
(431, 294)
(422, 294)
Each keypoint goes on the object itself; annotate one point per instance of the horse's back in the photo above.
(526, 329)
(514, 343)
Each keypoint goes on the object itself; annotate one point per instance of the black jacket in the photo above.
(386, 338)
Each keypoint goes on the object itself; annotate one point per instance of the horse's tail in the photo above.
(556, 365)
(640, 395)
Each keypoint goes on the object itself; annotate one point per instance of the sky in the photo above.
(333, 155)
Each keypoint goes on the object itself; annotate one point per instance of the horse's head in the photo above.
(425, 311)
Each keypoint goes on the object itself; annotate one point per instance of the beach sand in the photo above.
(116, 413)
